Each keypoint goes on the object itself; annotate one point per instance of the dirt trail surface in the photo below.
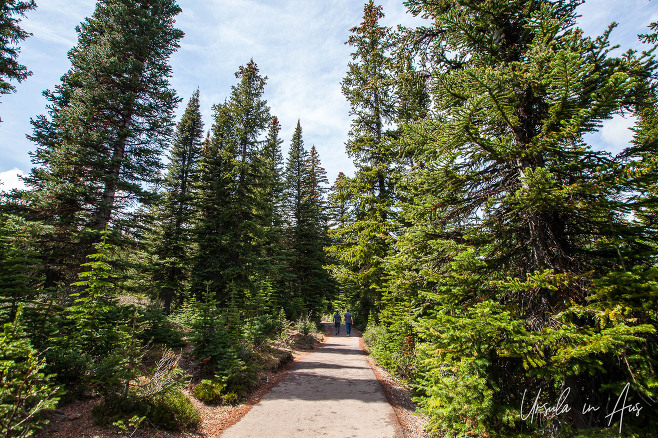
(330, 392)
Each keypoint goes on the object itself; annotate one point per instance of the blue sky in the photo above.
(298, 44)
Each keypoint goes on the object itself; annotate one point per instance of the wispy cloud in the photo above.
(298, 44)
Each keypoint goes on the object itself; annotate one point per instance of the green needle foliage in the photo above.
(11, 34)
(19, 265)
(103, 335)
(25, 391)
(308, 283)
(174, 213)
(98, 149)
(522, 259)
(234, 197)
(362, 245)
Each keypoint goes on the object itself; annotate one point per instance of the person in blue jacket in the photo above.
(348, 322)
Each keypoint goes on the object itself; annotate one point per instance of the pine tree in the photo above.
(10, 34)
(110, 118)
(175, 212)
(520, 245)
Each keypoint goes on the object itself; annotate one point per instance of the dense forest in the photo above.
(491, 255)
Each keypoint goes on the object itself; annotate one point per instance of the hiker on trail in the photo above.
(337, 321)
(348, 322)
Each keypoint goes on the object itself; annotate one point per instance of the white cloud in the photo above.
(616, 133)
(9, 180)
(298, 44)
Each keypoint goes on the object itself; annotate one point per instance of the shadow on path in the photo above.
(330, 389)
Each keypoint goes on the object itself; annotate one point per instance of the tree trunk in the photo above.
(106, 206)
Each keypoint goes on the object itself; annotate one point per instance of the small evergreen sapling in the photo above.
(24, 389)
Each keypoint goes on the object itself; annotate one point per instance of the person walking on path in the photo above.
(337, 320)
(348, 322)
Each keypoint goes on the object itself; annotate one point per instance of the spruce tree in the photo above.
(521, 246)
(174, 213)
(309, 284)
(318, 283)
(273, 187)
(369, 88)
(215, 216)
(109, 120)
(234, 195)
(295, 196)
(11, 34)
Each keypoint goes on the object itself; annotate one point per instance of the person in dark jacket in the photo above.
(337, 320)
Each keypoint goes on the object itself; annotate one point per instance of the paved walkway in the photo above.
(330, 392)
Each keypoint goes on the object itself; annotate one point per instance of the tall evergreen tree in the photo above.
(215, 221)
(295, 194)
(11, 34)
(296, 169)
(318, 283)
(309, 284)
(233, 198)
(99, 148)
(521, 246)
(273, 187)
(339, 202)
(369, 88)
(175, 212)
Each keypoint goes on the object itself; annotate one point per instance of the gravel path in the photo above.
(330, 392)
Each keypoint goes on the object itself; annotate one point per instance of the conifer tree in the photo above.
(295, 195)
(98, 149)
(308, 282)
(175, 212)
(10, 34)
(215, 220)
(19, 275)
(233, 198)
(294, 176)
(520, 245)
(318, 283)
(338, 202)
(272, 187)
(369, 88)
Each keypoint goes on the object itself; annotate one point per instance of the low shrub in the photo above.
(157, 400)
(170, 410)
(394, 350)
(305, 325)
(174, 411)
(114, 409)
(230, 398)
(260, 328)
(209, 391)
